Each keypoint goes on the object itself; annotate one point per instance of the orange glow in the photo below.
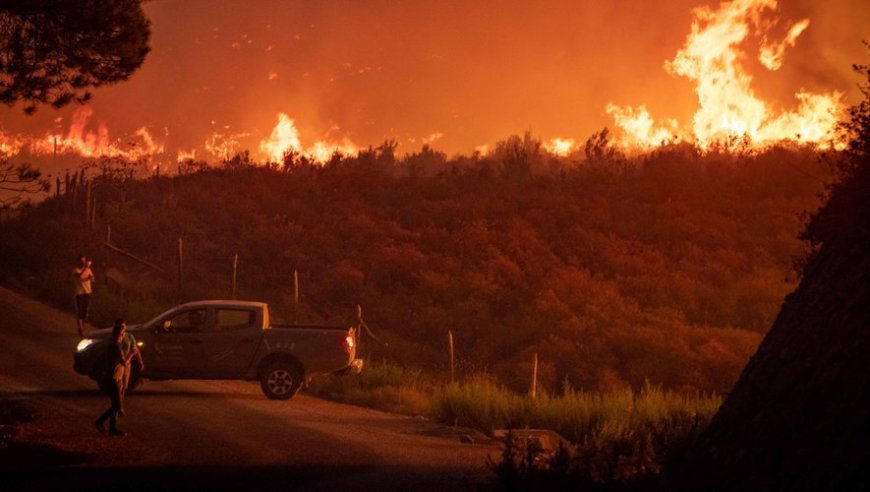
(559, 146)
(639, 129)
(285, 138)
(771, 55)
(727, 105)
(224, 146)
(81, 141)
(10, 144)
(184, 155)
(430, 73)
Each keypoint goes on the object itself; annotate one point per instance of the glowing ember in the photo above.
(727, 105)
(559, 146)
(186, 155)
(285, 138)
(432, 138)
(224, 146)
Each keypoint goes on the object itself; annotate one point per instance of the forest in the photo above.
(618, 271)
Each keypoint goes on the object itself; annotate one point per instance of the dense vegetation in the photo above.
(665, 268)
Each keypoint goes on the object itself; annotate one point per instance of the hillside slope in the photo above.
(666, 268)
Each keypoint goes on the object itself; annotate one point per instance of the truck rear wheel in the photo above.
(281, 380)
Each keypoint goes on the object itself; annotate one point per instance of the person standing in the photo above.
(115, 363)
(83, 278)
(128, 347)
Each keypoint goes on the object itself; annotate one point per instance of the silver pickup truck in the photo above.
(228, 340)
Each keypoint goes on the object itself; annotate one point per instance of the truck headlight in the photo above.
(85, 343)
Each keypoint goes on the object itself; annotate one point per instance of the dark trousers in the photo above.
(114, 392)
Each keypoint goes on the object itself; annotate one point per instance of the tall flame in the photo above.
(79, 140)
(727, 105)
(285, 138)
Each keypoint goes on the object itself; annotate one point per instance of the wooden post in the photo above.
(452, 363)
(180, 263)
(93, 209)
(535, 377)
(88, 191)
(235, 270)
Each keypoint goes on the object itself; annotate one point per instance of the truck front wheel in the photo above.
(280, 381)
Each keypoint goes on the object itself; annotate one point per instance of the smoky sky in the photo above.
(473, 71)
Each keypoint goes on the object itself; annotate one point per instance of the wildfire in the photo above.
(186, 155)
(79, 140)
(559, 146)
(727, 105)
(224, 146)
(285, 138)
(10, 144)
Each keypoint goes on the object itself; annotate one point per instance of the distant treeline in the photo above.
(666, 267)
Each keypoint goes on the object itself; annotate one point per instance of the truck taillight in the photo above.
(348, 343)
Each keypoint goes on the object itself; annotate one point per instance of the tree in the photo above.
(847, 197)
(54, 51)
(18, 179)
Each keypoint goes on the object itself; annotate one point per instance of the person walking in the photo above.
(128, 346)
(83, 278)
(115, 363)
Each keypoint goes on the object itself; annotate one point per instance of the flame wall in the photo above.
(468, 72)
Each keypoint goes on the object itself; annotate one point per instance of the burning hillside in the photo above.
(729, 50)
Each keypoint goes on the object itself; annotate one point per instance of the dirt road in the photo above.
(207, 435)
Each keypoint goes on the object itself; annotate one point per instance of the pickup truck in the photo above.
(227, 340)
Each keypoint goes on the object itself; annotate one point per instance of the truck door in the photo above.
(175, 348)
(229, 347)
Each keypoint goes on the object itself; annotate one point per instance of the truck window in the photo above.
(188, 321)
(235, 319)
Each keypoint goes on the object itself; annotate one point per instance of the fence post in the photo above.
(93, 211)
(534, 391)
(235, 270)
(88, 205)
(180, 263)
(452, 363)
